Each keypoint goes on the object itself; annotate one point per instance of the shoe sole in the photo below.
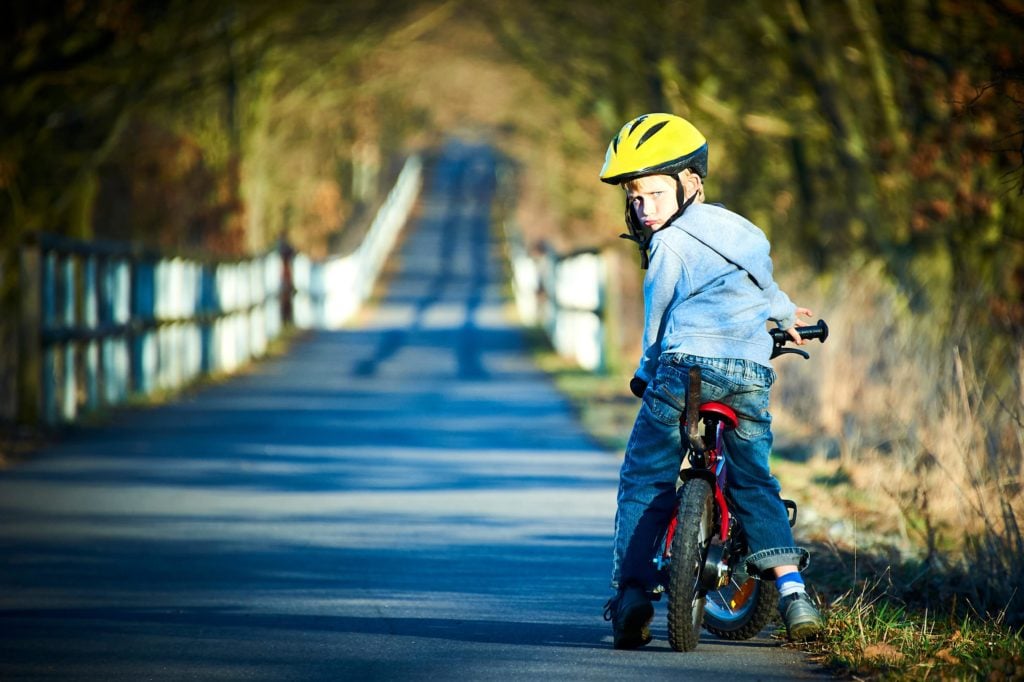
(636, 631)
(800, 632)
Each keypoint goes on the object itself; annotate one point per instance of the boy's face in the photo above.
(653, 199)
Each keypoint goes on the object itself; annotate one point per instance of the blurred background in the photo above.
(880, 146)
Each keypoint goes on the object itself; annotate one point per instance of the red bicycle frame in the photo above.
(710, 463)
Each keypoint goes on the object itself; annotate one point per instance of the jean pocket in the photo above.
(752, 409)
(715, 386)
(665, 397)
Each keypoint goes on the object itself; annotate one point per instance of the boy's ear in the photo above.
(691, 181)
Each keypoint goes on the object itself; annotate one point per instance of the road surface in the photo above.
(407, 499)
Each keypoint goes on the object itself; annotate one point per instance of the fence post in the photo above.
(143, 349)
(30, 390)
(287, 291)
(116, 310)
(69, 402)
(90, 319)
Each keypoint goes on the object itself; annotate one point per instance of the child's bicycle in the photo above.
(704, 550)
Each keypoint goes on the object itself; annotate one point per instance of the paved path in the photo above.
(406, 500)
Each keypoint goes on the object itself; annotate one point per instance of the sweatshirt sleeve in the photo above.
(666, 277)
(782, 311)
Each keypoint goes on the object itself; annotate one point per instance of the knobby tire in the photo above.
(689, 549)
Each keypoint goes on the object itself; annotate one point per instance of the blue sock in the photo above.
(790, 583)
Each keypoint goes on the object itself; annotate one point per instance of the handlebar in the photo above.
(809, 332)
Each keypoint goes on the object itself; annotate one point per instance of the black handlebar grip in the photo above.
(780, 337)
(814, 331)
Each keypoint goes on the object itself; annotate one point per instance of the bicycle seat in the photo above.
(720, 412)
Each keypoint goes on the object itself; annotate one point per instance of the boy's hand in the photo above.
(793, 333)
(637, 386)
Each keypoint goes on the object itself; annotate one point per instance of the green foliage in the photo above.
(860, 126)
(892, 129)
(140, 99)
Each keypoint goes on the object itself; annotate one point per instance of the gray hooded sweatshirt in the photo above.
(709, 290)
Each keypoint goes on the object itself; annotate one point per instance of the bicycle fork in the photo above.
(708, 463)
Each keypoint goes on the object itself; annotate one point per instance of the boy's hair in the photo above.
(633, 183)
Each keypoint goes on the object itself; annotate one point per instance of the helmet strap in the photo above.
(681, 199)
(639, 233)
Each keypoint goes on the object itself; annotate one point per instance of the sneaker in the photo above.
(800, 616)
(630, 612)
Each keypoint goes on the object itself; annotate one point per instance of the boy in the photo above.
(708, 294)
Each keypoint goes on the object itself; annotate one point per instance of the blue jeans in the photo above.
(647, 481)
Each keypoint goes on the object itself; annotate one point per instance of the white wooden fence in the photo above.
(564, 294)
(116, 322)
(329, 292)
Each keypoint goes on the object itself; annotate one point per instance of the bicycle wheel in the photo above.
(740, 609)
(689, 549)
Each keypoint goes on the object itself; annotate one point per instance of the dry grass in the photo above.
(908, 441)
(896, 445)
(905, 458)
(868, 637)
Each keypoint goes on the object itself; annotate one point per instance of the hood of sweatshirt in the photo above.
(732, 236)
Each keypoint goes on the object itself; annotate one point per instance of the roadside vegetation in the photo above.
(908, 482)
(868, 150)
(895, 609)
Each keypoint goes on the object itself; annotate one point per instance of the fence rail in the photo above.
(113, 321)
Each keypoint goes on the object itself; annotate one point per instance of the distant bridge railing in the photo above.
(563, 294)
(110, 321)
(330, 291)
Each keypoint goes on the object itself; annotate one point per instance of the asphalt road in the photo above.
(408, 499)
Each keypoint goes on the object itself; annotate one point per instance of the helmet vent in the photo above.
(651, 133)
(636, 123)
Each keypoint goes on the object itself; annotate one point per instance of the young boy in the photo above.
(708, 294)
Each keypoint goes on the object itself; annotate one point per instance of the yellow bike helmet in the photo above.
(655, 144)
